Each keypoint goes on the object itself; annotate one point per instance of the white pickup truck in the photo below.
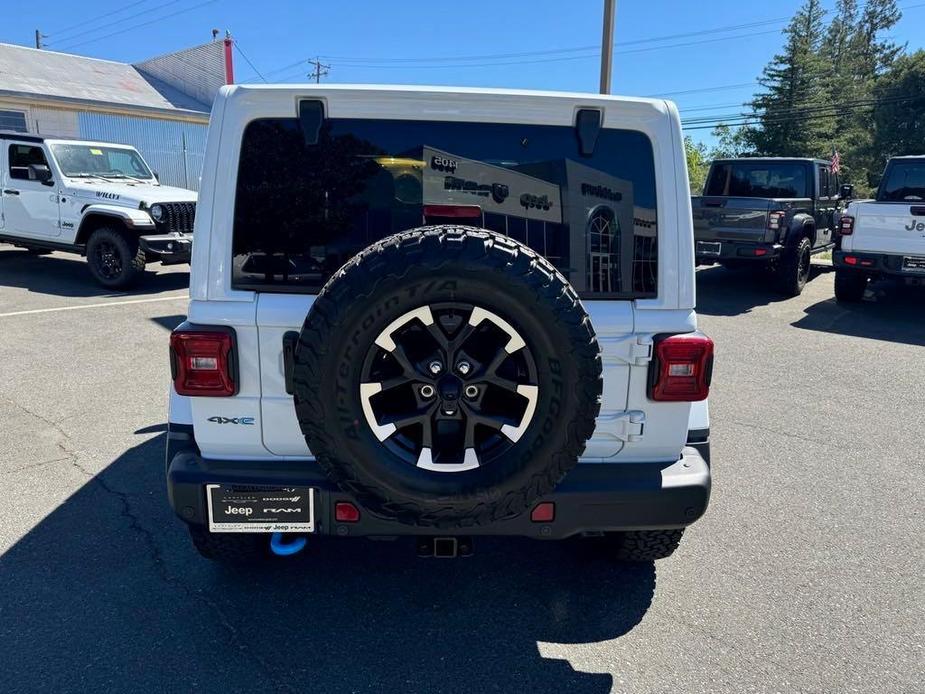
(884, 237)
(97, 199)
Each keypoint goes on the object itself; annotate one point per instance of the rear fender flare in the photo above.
(801, 225)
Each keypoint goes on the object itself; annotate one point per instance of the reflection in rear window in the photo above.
(759, 180)
(904, 182)
(301, 211)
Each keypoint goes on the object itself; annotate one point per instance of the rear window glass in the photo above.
(904, 182)
(301, 211)
(759, 180)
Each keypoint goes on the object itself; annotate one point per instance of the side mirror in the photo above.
(846, 192)
(157, 176)
(41, 173)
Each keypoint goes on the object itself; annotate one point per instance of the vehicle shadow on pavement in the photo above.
(889, 312)
(69, 276)
(723, 292)
(106, 593)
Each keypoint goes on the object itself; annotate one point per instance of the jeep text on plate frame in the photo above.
(260, 509)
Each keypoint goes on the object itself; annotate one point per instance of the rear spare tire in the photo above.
(447, 377)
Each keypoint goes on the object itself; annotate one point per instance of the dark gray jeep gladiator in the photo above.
(770, 212)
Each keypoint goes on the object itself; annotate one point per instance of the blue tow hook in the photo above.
(283, 548)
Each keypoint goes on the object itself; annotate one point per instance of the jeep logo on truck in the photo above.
(915, 225)
(107, 196)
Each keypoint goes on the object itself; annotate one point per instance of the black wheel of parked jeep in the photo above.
(850, 286)
(230, 548)
(792, 272)
(115, 259)
(447, 376)
(647, 545)
(636, 545)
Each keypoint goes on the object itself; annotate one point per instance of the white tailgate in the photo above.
(884, 227)
(279, 313)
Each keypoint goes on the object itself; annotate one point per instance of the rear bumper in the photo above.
(170, 249)
(594, 497)
(734, 250)
(874, 264)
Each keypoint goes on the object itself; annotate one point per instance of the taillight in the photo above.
(202, 362)
(846, 225)
(775, 219)
(682, 368)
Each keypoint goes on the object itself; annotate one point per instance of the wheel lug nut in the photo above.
(435, 367)
(427, 391)
(464, 368)
(471, 392)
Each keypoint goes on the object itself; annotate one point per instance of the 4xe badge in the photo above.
(232, 420)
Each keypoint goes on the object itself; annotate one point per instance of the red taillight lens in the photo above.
(846, 226)
(202, 362)
(345, 512)
(682, 369)
(850, 260)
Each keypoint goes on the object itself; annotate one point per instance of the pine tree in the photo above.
(843, 128)
(789, 122)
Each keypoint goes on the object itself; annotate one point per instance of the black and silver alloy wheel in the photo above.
(449, 387)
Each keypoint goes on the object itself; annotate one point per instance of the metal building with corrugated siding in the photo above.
(160, 106)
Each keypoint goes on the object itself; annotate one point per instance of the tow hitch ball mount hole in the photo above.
(449, 387)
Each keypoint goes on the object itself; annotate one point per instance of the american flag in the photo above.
(836, 161)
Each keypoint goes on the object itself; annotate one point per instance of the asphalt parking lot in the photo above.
(807, 574)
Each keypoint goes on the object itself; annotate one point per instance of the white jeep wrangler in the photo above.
(97, 199)
(440, 313)
(885, 237)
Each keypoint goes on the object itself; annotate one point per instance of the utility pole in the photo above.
(38, 38)
(319, 71)
(610, 9)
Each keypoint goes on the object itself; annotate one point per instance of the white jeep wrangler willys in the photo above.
(440, 313)
(94, 198)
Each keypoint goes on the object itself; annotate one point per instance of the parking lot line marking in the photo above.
(100, 305)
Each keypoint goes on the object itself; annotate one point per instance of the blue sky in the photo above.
(706, 68)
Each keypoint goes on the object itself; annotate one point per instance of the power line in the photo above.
(248, 60)
(100, 16)
(807, 115)
(142, 24)
(115, 22)
(574, 49)
(594, 55)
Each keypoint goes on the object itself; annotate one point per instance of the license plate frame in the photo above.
(709, 247)
(914, 263)
(260, 509)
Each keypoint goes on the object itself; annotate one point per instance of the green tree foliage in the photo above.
(899, 122)
(835, 85)
(794, 92)
(697, 164)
